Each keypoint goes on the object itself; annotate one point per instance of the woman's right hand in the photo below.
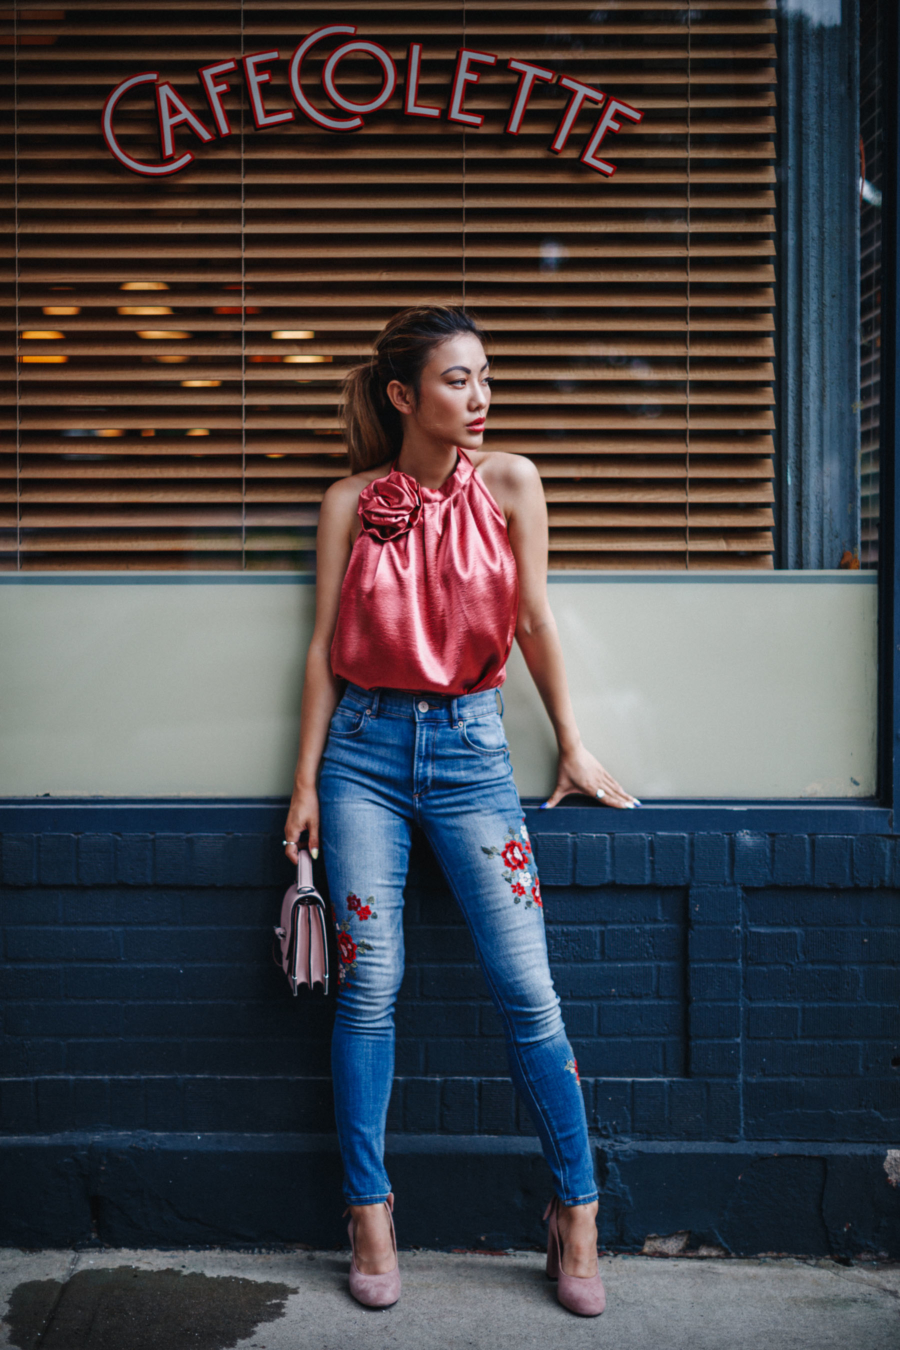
(303, 814)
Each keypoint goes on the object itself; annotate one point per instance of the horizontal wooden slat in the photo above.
(748, 420)
(291, 467)
(188, 517)
(749, 121)
(653, 539)
(479, 199)
(675, 292)
(503, 372)
(503, 400)
(523, 223)
(299, 7)
(146, 494)
(453, 246)
(525, 168)
(566, 273)
(697, 493)
(116, 541)
(214, 49)
(428, 27)
(208, 490)
(594, 448)
(661, 562)
(595, 516)
(623, 345)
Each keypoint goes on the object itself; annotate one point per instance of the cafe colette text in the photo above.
(215, 80)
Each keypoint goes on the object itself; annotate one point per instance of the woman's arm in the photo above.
(537, 635)
(320, 690)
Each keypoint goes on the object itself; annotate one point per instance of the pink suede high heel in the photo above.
(582, 1294)
(375, 1291)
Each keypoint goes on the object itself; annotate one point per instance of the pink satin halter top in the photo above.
(430, 596)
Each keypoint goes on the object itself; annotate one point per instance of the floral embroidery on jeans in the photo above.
(571, 1066)
(347, 947)
(519, 870)
(362, 909)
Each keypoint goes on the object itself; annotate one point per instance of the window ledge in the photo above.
(30, 815)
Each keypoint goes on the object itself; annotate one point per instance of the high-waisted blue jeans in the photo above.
(394, 760)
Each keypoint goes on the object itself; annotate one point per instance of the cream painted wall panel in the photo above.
(151, 690)
(717, 686)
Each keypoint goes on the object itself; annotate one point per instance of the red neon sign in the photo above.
(255, 79)
(212, 89)
(173, 112)
(528, 75)
(411, 105)
(465, 59)
(302, 102)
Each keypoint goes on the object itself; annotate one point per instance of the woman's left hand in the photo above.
(580, 772)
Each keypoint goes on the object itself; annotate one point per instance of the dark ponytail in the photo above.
(373, 427)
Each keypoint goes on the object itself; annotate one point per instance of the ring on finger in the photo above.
(600, 793)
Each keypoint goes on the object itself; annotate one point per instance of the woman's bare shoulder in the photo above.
(506, 476)
(343, 496)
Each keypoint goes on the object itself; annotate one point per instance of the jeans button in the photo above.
(422, 705)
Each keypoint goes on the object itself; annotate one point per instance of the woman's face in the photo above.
(454, 394)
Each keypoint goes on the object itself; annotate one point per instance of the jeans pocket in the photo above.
(484, 735)
(347, 722)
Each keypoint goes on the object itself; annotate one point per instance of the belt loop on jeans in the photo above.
(376, 699)
(454, 711)
(500, 706)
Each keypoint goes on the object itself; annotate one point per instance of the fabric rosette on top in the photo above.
(390, 507)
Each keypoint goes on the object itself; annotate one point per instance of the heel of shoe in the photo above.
(552, 1242)
(581, 1294)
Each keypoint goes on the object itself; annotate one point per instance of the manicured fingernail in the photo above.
(637, 802)
(543, 806)
(314, 853)
(630, 805)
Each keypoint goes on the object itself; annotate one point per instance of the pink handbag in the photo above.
(301, 934)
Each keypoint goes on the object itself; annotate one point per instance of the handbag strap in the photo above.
(304, 870)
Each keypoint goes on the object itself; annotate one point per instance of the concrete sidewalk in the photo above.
(219, 1300)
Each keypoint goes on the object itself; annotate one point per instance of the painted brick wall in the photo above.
(715, 987)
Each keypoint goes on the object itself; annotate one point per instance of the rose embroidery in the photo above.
(360, 909)
(513, 855)
(348, 948)
(518, 868)
(390, 507)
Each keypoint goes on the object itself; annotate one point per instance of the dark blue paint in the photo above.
(818, 290)
(736, 989)
(889, 553)
(134, 816)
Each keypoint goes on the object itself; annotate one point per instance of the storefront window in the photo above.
(181, 336)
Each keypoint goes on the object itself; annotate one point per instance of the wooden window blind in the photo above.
(170, 392)
(871, 126)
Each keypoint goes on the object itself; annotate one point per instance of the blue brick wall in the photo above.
(715, 986)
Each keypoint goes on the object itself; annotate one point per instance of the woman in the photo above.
(432, 556)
